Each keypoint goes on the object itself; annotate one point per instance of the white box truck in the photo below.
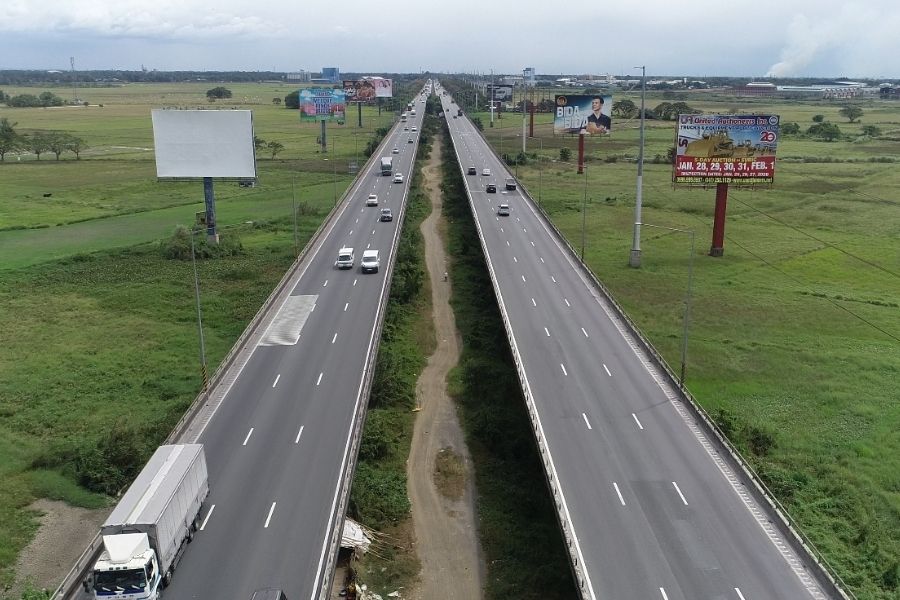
(387, 165)
(146, 533)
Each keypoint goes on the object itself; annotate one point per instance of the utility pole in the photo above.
(635, 258)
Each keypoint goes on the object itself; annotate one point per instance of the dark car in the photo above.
(472, 171)
(491, 188)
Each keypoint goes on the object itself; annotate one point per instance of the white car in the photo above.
(344, 259)
(370, 262)
(414, 129)
(372, 200)
(396, 150)
(486, 172)
(503, 210)
(398, 177)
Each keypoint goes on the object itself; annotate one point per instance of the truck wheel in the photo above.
(167, 578)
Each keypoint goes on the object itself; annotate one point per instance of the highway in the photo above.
(654, 511)
(279, 442)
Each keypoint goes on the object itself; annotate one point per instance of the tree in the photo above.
(826, 131)
(625, 109)
(818, 118)
(565, 154)
(258, 143)
(790, 128)
(218, 93)
(37, 143)
(274, 148)
(851, 111)
(871, 130)
(75, 145)
(292, 100)
(24, 101)
(276, 101)
(50, 99)
(57, 142)
(10, 141)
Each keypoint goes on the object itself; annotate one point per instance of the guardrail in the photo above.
(800, 543)
(70, 586)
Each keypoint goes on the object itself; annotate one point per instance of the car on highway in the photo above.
(398, 177)
(485, 172)
(406, 129)
(372, 200)
(370, 261)
(268, 594)
(472, 171)
(510, 183)
(490, 188)
(345, 258)
(386, 215)
(503, 210)
(414, 128)
(396, 150)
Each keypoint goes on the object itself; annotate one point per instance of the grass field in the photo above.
(794, 333)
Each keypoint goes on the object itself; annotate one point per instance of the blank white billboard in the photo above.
(204, 143)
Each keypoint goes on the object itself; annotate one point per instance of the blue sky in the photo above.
(823, 38)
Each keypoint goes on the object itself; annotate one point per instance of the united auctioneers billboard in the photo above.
(322, 104)
(588, 115)
(365, 90)
(736, 149)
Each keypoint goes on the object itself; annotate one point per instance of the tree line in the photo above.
(38, 142)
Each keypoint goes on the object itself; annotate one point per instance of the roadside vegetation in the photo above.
(794, 334)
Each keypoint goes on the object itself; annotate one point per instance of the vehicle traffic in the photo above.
(370, 261)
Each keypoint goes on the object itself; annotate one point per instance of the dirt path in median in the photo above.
(441, 485)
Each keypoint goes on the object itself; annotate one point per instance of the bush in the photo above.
(178, 247)
(565, 154)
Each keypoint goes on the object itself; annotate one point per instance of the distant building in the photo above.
(300, 76)
(331, 74)
(529, 76)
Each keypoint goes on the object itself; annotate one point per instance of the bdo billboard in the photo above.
(589, 115)
(322, 104)
(736, 149)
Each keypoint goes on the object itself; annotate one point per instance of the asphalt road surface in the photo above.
(654, 510)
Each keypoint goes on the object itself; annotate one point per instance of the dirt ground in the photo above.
(440, 481)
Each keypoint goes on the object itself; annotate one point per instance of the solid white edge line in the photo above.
(618, 493)
(586, 422)
(208, 515)
(677, 489)
(299, 433)
(269, 518)
(277, 377)
(247, 439)
(636, 421)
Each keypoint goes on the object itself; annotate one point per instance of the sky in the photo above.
(788, 38)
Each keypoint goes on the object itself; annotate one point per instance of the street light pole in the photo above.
(540, 166)
(294, 211)
(583, 213)
(203, 369)
(686, 319)
(635, 258)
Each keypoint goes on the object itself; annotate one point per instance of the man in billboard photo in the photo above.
(597, 122)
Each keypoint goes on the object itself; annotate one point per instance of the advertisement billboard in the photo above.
(203, 143)
(500, 93)
(588, 115)
(322, 104)
(366, 90)
(737, 149)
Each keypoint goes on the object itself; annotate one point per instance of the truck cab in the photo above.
(127, 569)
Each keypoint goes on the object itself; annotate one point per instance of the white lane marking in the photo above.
(208, 515)
(607, 370)
(636, 421)
(618, 493)
(373, 232)
(501, 230)
(567, 302)
(677, 489)
(351, 232)
(542, 260)
(515, 259)
(523, 278)
(563, 367)
(325, 284)
(547, 331)
(357, 219)
(246, 439)
(663, 592)
(553, 278)
(584, 332)
(533, 302)
(354, 282)
(319, 380)
(740, 595)
(586, 422)
(368, 246)
(532, 245)
(313, 308)
(334, 338)
(525, 230)
(507, 242)
(299, 433)
(277, 377)
(345, 306)
(269, 518)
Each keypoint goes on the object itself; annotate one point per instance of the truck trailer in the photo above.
(387, 165)
(146, 533)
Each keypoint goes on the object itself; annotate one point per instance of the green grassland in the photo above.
(794, 334)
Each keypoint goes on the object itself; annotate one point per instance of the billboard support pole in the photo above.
(324, 140)
(359, 112)
(580, 153)
(209, 199)
(718, 238)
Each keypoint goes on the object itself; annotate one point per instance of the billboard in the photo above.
(203, 143)
(365, 90)
(500, 93)
(322, 104)
(738, 149)
(589, 115)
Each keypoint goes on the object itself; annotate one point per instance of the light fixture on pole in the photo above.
(635, 259)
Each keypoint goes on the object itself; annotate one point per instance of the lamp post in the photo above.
(540, 166)
(634, 259)
(583, 213)
(203, 369)
(294, 211)
(687, 299)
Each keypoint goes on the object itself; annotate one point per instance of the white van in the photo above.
(345, 259)
(370, 262)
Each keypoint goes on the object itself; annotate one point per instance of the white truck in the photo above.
(146, 533)
(387, 165)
